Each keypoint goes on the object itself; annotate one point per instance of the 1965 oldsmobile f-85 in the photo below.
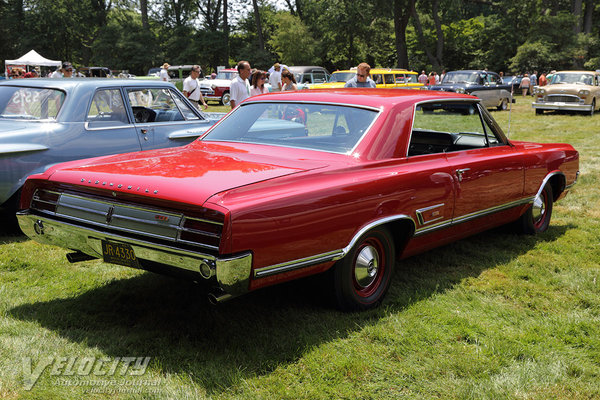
(293, 184)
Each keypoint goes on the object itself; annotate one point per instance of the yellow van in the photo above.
(383, 77)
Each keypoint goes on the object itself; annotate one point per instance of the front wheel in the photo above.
(537, 218)
(362, 278)
(538, 111)
(593, 107)
(225, 99)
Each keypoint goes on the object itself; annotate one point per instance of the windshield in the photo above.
(341, 76)
(226, 75)
(573, 78)
(27, 103)
(460, 77)
(324, 127)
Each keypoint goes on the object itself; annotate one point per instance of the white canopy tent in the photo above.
(32, 59)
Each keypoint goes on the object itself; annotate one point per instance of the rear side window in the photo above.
(107, 109)
(389, 79)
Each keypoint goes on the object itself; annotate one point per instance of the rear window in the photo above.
(27, 103)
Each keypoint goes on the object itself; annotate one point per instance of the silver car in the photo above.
(47, 121)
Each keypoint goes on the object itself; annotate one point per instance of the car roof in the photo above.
(375, 98)
(380, 70)
(304, 68)
(578, 72)
(71, 83)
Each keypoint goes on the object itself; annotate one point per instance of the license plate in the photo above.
(119, 253)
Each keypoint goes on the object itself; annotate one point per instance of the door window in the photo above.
(151, 105)
(107, 109)
(389, 79)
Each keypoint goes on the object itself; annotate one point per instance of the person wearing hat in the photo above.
(164, 72)
(66, 71)
(275, 78)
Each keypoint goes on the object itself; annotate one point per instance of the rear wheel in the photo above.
(503, 105)
(538, 111)
(537, 218)
(362, 278)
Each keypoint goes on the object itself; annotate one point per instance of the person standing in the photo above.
(258, 83)
(533, 81)
(240, 88)
(164, 72)
(362, 79)
(423, 78)
(524, 85)
(275, 78)
(191, 88)
(288, 81)
(65, 71)
(543, 81)
(431, 79)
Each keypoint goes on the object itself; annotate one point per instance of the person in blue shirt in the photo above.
(362, 78)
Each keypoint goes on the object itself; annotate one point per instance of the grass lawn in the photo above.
(495, 316)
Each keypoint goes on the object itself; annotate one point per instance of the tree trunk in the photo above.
(225, 34)
(587, 16)
(261, 42)
(577, 7)
(439, 44)
(144, 11)
(419, 28)
(402, 11)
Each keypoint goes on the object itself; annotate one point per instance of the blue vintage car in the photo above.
(486, 85)
(47, 121)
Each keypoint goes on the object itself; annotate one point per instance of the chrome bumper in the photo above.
(232, 273)
(562, 106)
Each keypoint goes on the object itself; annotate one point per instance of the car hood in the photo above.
(215, 82)
(566, 88)
(190, 174)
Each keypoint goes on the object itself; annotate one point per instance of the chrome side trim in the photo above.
(324, 257)
(491, 210)
(547, 178)
(574, 182)
(300, 263)
(421, 217)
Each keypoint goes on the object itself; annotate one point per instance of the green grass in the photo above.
(495, 316)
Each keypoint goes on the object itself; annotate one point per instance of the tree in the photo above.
(402, 11)
(291, 30)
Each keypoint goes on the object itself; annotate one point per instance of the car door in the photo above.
(488, 171)
(162, 118)
(107, 129)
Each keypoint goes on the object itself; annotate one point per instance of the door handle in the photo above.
(460, 172)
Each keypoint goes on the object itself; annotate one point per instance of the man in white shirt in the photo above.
(164, 72)
(240, 88)
(275, 78)
(191, 88)
(66, 71)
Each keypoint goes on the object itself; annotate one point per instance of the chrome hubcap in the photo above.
(539, 208)
(366, 267)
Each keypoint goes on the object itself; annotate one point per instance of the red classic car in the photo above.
(293, 184)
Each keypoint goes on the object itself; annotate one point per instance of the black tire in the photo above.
(225, 99)
(538, 111)
(362, 278)
(593, 107)
(537, 218)
(503, 105)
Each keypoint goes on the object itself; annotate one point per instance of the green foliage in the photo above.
(292, 41)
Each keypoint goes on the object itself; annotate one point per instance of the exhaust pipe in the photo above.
(219, 297)
(79, 256)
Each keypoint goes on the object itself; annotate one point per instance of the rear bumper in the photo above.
(231, 273)
(562, 106)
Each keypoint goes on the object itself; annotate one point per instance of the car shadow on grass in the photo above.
(171, 321)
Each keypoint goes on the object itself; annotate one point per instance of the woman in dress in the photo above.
(258, 83)
(288, 81)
